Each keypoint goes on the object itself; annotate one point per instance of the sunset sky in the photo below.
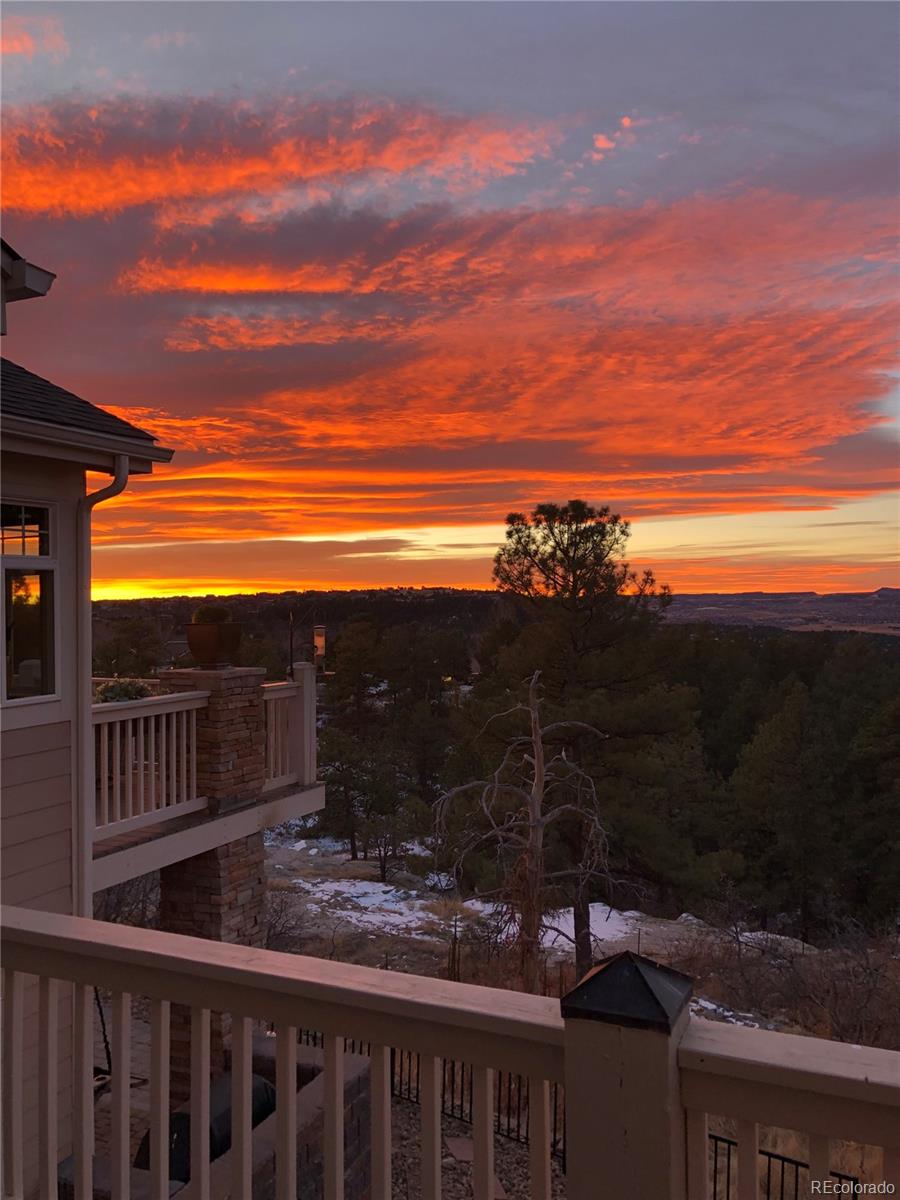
(381, 273)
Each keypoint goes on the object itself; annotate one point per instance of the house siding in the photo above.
(38, 768)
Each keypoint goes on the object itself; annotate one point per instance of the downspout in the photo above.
(84, 806)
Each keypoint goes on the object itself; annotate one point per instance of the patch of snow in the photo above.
(440, 881)
(417, 847)
(690, 919)
(607, 925)
(710, 1010)
(314, 851)
(301, 845)
(382, 907)
(764, 940)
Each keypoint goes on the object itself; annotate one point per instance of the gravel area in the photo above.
(511, 1161)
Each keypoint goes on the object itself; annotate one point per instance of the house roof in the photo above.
(27, 395)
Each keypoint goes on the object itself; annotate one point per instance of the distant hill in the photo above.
(865, 612)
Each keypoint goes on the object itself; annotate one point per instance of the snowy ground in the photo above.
(339, 903)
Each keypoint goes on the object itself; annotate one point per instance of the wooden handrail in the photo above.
(121, 710)
(484, 1026)
(822, 1087)
(620, 1081)
(274, 691)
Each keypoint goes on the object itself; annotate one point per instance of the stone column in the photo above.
(231, 733)
(220, 894)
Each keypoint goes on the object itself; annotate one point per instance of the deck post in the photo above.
(303, 724)
(625, 1126)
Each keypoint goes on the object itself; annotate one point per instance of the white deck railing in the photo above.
(291, 730)
(636, 1099)
(145, 761)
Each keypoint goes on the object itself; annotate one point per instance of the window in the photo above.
(29, 579)
(25, 530)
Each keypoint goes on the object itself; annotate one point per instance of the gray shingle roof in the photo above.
(24, 394)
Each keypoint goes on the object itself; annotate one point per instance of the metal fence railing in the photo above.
(785, 1178)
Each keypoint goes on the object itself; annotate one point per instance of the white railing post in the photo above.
(625, 1125)
(302, 724)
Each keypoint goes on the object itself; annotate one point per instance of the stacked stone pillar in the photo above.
(221, 893)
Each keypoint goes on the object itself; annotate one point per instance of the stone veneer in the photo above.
(310, 1132)
(231, 733)
(220, 894)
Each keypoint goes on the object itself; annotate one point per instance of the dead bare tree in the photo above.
(532, 787)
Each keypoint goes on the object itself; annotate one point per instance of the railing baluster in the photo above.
(163, 799)
(200, 1102)
(173, 759)
(117, 771)
(13, 1081)
(270, 738)
(159, 1099)
(48, 1086)
(120, 1140)
(380, 1087)
(539, 1137)
(151, 760)
(483, 1132)
(241, 1128)
(819, 1157)
(128, 732)
(141, 765)
(83, 1097)
(193, 754)
(431, 1072)
(182, 746)
(286, 1113)
(747, 1160)
(285, 735)
(697, 1149)
(334, 1117)
(102, 768)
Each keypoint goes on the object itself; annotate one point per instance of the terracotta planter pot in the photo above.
(214, 645)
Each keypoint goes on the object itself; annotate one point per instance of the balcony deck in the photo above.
(149, 810)
(122, 856)
(637, 1098)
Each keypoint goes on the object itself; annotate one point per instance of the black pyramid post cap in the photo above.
(628, 989)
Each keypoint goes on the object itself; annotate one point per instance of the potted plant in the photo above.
(120, 690)
(213, 638)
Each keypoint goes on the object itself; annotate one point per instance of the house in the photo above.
(184, 783)
(95, 795)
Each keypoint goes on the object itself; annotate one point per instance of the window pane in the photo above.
(29, 634)
(25, 529)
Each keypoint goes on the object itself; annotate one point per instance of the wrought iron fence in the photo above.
(785, 1178)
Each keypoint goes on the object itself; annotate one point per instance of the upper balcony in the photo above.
(215, 756)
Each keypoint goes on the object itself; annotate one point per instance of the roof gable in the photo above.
(27, 395)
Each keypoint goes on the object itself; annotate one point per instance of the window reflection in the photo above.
(29, 633)
(25, 530)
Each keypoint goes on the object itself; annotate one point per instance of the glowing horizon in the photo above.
(377, 290)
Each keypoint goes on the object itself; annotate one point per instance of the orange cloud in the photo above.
(75, 158)
(30, 35)
(713, 254)
(339, 370)
(225, 332)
